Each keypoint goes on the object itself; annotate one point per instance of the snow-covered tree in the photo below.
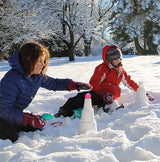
(137, 21)
(14, 26)
(19, 22)
(53, 17)
(5, 35)
(102, 13)
(57, 23)
(94, 17)
(73, 20)
(67, 18)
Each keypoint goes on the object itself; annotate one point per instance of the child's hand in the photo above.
(33, 120)
(107, 97)
(78, 86)
(82, 86)
(150, 98)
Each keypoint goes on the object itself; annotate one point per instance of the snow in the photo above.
(129, 134)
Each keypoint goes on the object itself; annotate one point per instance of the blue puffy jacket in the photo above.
(17, 90)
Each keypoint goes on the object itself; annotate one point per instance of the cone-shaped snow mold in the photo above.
(87, 121)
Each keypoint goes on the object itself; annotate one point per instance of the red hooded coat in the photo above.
(107, 78)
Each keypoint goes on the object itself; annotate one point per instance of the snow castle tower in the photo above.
(141, 95)
(87, 121)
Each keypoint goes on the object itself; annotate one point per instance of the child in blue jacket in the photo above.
(19, 86)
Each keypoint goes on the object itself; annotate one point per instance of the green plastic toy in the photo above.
(47, 116)
(77, 113)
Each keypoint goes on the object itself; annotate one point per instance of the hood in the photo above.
(14, 61)
(105, 49)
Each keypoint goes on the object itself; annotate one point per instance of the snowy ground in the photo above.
(130, 134)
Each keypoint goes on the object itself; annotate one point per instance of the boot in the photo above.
(63, 112)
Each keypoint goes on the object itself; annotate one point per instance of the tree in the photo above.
(98, 13)
(14, 26)
(70, 21)
(19, 22)
(59, 17)
(73, 20)
(60, 25)
(4, 28)
(137, 21)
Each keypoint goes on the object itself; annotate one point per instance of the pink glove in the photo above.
(78, 86)
(107, 97)
(33, 120)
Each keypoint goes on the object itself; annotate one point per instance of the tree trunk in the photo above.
(63, 20)
(148, 28)
(87, 46)
(70, 53)
(139, 49)
(71, 45)
(152, 47)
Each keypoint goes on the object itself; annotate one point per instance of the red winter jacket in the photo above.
(107, 78)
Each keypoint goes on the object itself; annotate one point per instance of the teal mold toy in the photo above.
(47, 116)
(77, 113)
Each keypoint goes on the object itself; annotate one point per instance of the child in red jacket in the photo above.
(105, 83)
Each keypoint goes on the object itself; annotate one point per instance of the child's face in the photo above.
(116, 62)
(39, 65)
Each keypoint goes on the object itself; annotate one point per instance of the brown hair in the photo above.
(29, 54)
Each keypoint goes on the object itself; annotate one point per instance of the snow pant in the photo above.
(10, 130)
(78, 102)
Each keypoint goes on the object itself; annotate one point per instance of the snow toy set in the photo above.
(86, 114)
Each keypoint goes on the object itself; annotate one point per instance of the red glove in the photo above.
(33, 120)
(78, 86)
(107, 97)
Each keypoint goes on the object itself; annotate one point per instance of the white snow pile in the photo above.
(125, 135)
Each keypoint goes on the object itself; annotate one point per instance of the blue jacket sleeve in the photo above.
(55, 84)
(8, 93)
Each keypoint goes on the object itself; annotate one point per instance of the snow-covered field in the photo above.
(129, 134)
